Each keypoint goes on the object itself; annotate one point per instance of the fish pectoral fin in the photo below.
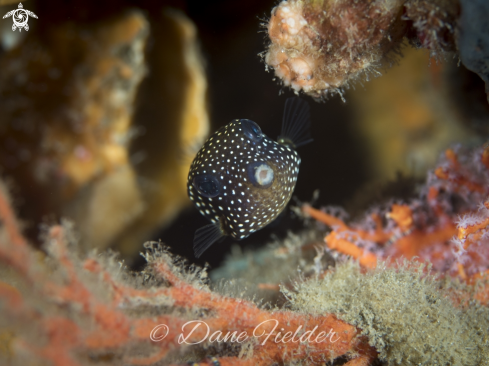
(296, 123)
(205, 237)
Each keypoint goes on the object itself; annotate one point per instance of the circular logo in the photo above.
(20, 18)
(159, 333)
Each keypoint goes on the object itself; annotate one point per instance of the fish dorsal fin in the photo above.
(296, 123)
(205, 237)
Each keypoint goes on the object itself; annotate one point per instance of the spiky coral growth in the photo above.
(321, 46)
(407, 315)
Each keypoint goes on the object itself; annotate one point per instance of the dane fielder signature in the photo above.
(20, 17)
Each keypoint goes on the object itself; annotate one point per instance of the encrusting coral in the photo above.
(318, 46)
(410, 318)
(172, 112)
(62, 152)
(321, 47)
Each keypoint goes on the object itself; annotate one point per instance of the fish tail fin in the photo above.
(296, 123)
(205, 237)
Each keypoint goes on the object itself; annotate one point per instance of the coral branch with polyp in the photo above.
(448, 225)
(82, 310)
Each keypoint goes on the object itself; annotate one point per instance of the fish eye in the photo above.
(260, 174)
(207, 185)
(251, 130)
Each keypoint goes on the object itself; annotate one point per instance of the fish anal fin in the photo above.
(205, 237)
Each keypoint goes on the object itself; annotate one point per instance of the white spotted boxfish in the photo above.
(241, 180)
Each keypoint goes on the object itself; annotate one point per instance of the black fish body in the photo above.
(241, 180)
(252, 179)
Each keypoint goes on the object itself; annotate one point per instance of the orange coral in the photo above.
(346, 247)
(447, 226)
(88, 308)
